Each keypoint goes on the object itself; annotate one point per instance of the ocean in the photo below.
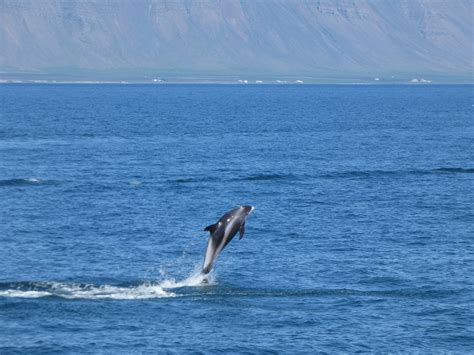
(361, 239)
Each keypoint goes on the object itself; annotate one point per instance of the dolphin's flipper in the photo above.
(242, 230)
(211, 228)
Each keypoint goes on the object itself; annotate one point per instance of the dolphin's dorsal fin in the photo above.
(211, 228)
(242, 230)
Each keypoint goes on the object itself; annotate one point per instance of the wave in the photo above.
(189, 180)
(416, 292)
(188, 288)
(268, 177)
(255, 177)
(380, 173)
(349, 174)
(146, 290)
(455, 170)
(83, 291)
(25, 182)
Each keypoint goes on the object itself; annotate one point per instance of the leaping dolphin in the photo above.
(222, 233)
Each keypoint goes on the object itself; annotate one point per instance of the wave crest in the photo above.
(455, 170)
(268, 177)
(25, 182)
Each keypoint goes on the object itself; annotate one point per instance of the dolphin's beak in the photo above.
(247, 209)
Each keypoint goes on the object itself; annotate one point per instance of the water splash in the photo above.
(84, 291)
(146, 290)
(197, 278)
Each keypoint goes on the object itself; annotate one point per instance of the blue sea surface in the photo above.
(361, 240)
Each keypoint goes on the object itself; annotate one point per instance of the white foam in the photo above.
(195, 279)
(33, 180)
(144, 291)
(135, 182)
(24, 294)
(77, 291)
(88, 291)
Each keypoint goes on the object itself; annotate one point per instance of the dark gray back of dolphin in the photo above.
(222, 233)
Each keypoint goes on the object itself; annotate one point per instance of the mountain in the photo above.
(230, 38)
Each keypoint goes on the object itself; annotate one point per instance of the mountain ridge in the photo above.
(338, 39)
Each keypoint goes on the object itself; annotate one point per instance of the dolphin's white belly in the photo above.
(214, 247)
(210, 253)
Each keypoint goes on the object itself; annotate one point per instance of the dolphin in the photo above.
(222, 233)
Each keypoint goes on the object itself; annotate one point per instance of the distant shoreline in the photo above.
(163, 78)
(225, 82)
